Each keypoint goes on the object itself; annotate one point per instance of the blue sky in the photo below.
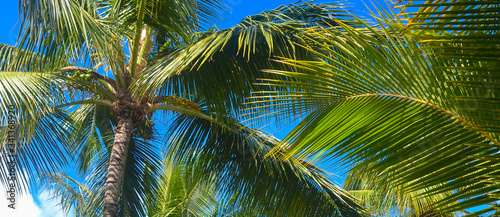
(35, 205)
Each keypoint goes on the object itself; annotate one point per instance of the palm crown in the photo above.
(410, 105)
(87, 78)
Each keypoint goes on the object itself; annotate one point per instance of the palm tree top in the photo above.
(90, 79)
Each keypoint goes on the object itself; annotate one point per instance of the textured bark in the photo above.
(116, 166)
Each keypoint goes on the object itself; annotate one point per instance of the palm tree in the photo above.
(88, 77)
(409, 105)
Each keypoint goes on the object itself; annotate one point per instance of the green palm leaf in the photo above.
(465, 34)
(231, 59)
(388, 103)
(33, 96)
(183, 191)
(292, 187)
(74, 29)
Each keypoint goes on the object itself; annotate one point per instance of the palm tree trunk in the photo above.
(116, 166)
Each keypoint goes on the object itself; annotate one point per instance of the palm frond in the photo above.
(93, 124)
(15, 59)
(40, 130)
(74, 29)
(388, 200)
(464, 34)
(184, 18)
(72, 194)
(230, 60)
(183, 191)
(293, 187)
(44, 129)
(388, 103)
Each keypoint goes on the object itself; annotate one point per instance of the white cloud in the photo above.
(49, 207)
(25, 206)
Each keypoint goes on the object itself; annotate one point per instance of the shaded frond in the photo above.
(292, 187)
